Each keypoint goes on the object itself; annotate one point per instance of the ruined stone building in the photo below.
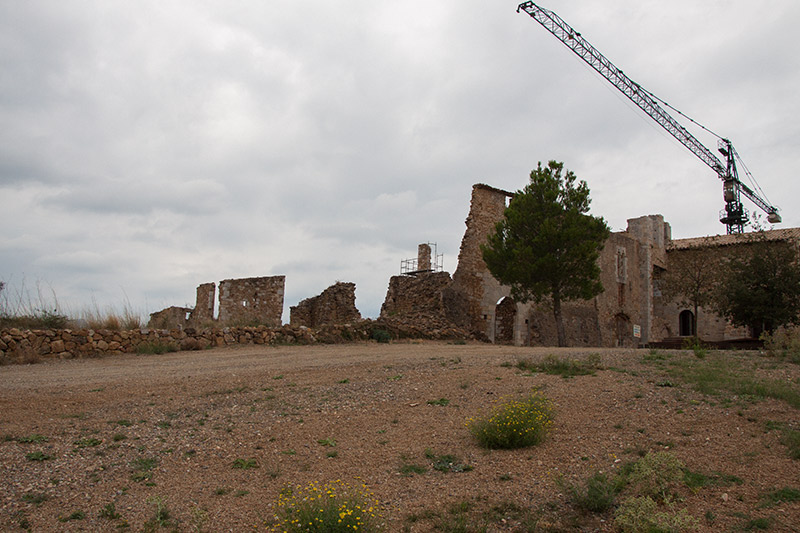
(335, 305)
(246, 301)
(630, 312)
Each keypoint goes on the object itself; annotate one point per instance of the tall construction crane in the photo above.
(734, 216)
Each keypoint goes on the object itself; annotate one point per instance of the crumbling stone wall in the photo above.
(252, 300)
(203, 312)
(419, 294)
(474, 292)
(335, 305)
(170, 318)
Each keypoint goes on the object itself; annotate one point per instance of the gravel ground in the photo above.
(130, 433)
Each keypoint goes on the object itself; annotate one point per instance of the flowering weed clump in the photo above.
(331, 508)
(514, 424)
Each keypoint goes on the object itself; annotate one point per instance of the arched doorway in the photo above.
(686, 324)
(505, 315)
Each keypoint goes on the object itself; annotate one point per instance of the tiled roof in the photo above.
(788, 234)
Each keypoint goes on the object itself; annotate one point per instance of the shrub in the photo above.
(332, 508)
(597, 495)
(641, 515)
(514, 424)
(783, 343)
(655, 474)
(381, 335)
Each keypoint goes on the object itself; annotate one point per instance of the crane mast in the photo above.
(734, 216)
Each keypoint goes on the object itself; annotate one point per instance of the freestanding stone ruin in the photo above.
(246, 301)
(335, 305)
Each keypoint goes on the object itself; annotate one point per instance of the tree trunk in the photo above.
(562, 336)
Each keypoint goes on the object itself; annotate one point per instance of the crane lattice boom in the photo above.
(734, 216)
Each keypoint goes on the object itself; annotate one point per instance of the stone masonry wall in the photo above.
(252, 300)
(420, 294)
(204, 307)
(170, 318)
(473, 288)
(335, 305)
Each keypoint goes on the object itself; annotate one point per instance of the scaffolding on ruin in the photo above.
(411, 267)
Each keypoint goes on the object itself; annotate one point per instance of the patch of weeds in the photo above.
(34, 497)
(142, 468)
(155, 348)
(222, 491)
(343, 381)
(718, 374)
(642, 515)
(109, 512)
(161, 515)
(505, 477)
(38, 456)
(656, 474)
(791, 439)
(566, 368)
(597, 494)
(164, 424)
(441, 401)
(332, 454)
(332, 507)
(446, 463)
(31, 439)
(240, 493)
(775, 497)
(118, 437)
(514, 423)
(289, 452)
(77, 515)
(245, 464)
(697, 480)
(760, 524)
(409, 469)
(397, 377)
(327, 442)
(88, 442)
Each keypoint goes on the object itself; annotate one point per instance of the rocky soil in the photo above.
(212, 437)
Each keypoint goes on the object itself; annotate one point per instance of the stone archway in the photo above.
(505, 314)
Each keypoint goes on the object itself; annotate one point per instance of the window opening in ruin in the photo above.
(621, 294)
(434, 262)
(686, 323)
(505, 315)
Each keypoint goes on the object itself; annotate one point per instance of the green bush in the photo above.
(381, 335)
(332, 508)
(514, 424)
(597, 495)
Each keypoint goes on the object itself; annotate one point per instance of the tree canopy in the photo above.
(547, 245)
(760, 287)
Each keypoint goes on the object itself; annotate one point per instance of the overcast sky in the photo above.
(150, 146)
